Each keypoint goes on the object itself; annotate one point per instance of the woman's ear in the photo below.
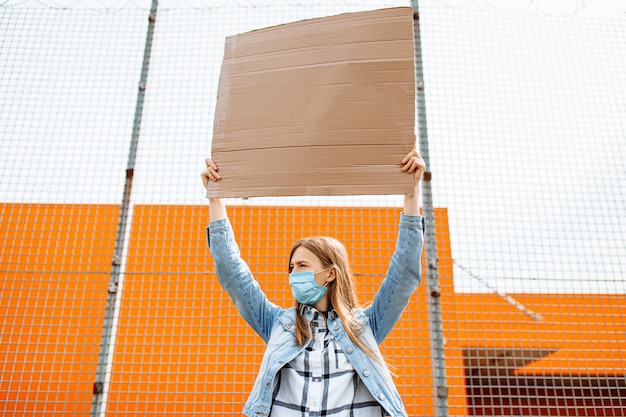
(332, 274)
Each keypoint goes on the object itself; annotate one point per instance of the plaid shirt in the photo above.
(322, 382)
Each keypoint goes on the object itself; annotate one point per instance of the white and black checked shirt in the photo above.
(322, 382)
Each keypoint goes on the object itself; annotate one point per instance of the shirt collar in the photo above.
(311, 314)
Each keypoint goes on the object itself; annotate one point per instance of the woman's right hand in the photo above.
(211, 173)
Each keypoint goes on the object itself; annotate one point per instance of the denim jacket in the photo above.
(277, 327)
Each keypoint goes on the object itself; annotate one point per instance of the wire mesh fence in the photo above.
(106, 114)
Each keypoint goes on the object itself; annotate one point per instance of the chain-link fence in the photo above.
(110, 302)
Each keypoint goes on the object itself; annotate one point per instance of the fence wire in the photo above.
(525, 105)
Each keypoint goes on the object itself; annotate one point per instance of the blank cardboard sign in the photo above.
(317, 107)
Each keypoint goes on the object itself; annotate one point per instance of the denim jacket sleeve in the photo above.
(403, 277)
(235, 277)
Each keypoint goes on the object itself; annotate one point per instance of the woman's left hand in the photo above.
(413, 163)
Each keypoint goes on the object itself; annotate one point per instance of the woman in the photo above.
(322, 356)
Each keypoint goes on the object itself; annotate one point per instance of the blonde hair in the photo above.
(341, 291)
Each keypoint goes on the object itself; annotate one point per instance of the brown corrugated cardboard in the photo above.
(317, 107)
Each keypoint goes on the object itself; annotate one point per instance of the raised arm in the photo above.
(404, 273)
(232, 271)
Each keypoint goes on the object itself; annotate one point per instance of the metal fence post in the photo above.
(107, 341)
(432, 269)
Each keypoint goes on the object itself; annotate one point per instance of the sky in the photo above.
(525, 109)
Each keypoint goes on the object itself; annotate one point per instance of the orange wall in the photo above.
(181, 346)
(55, 263)
(586, 333)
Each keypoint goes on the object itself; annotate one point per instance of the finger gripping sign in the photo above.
(317, 107)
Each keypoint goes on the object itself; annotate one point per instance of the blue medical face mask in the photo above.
(305, 289)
